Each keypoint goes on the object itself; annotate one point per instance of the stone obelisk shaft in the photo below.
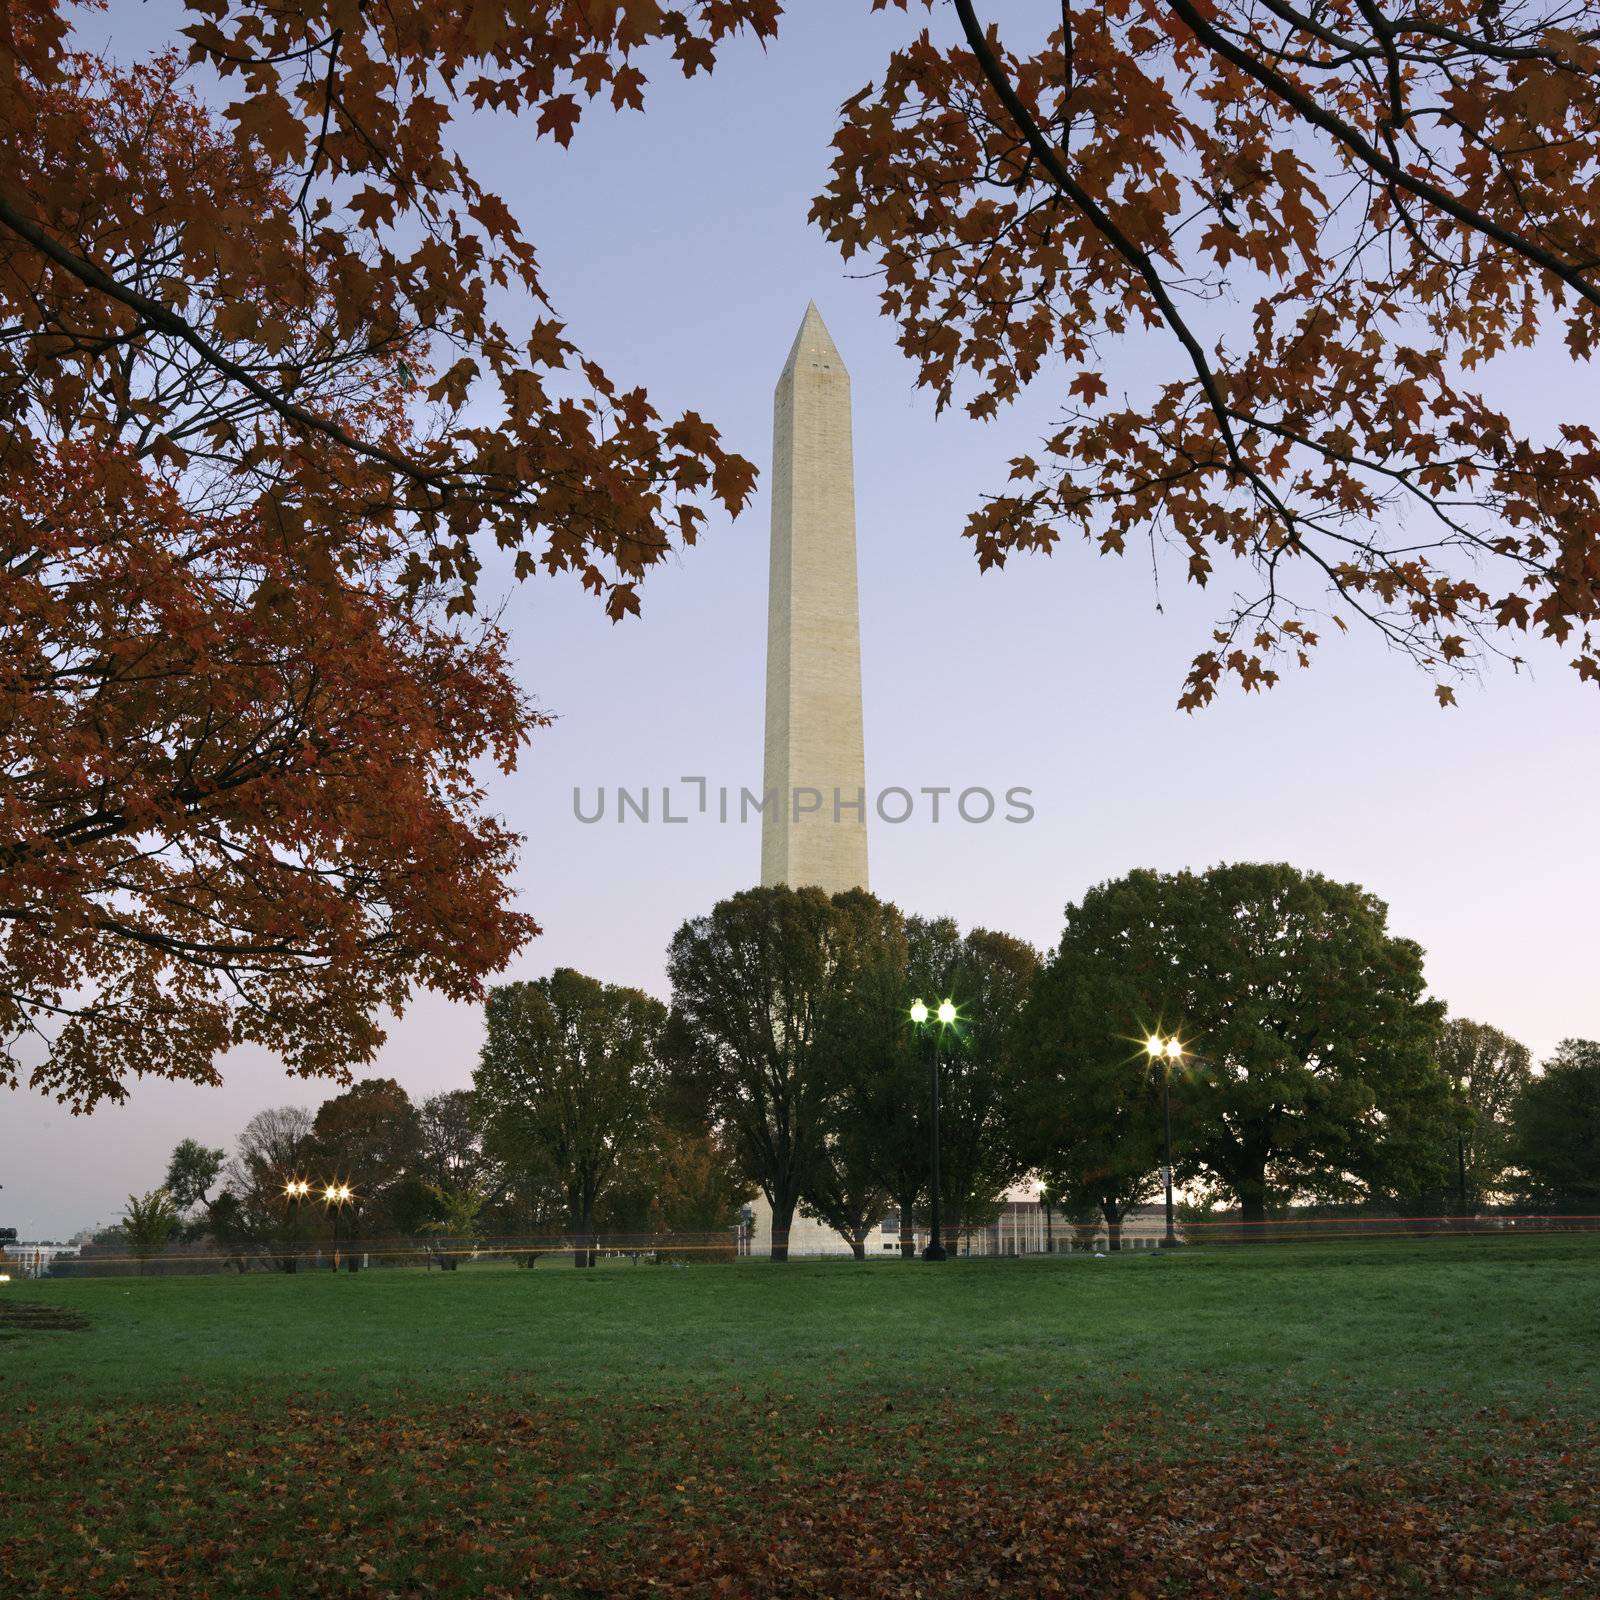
(814, 827)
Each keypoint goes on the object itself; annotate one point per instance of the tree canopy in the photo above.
(1556, 1143)
(191, 1171)
(568, 1080)
(1490, 1071)
(1088, 1110)
(246, 291)
(1322, 222)
(278, 372)
(761, 989)
(1310, 1063)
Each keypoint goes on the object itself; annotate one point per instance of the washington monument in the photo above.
(814, 827)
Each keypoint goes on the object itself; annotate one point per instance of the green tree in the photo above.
(1088, 1110)
(1556, 1143)
(856, 1172)
(1312, 1048)
(759, 985)
(568, 1078)
(456, 1208)
(148, 1224)
(884, 1065)
(1490, 1072)
(990, 977)
(191, 1172)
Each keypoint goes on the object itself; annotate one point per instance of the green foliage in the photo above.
(1556, 1143)
(1490, 1072)
(1310, 1065)
(1088, 1112)
(191, 1172)
(449, 1231)
(990, 977)
(567, 1082)
(760, 993)
(853, 1178)
(148, 1224)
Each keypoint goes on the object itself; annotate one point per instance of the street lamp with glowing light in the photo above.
(1166, 1051)
(338, 1195)
(946, 1014)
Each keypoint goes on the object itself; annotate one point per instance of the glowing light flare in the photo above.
(947, 1012)
(919, 1012)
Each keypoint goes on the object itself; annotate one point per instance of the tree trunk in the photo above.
(583, 1256)
(1049, 1231)
(1253, 1212)
(858, 1248)
(1113, 1216)
(908, 1231)
(782, 1221)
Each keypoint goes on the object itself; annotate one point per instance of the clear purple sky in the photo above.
(677, 249)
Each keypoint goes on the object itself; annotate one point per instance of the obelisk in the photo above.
(814, 825)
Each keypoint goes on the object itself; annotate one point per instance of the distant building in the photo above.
(1023, 1228)
(808, 1236)
(31, 1258)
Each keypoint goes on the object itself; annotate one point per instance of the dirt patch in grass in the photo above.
(27, 1316)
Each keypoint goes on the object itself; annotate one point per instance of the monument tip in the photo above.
(814, 341)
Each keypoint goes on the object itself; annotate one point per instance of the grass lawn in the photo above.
(1384, 1419)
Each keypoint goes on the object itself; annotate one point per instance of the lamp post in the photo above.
(935, 1250)
(338, 1196)
(1166, 1051)
(295, 1191)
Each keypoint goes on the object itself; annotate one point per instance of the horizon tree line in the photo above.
(1316, 1070)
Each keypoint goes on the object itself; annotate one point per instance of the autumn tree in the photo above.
(1311, 1063)
(569, 1074)
(1556, 1143)
(682, 1190)
(1490, 1071)
(369, 1138)
(1319, 223)
(257, 426)
(696, 1186)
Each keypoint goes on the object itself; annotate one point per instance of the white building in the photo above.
(32, 1258)
(810, 1237)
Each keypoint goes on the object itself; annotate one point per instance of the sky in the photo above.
(676, 247)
